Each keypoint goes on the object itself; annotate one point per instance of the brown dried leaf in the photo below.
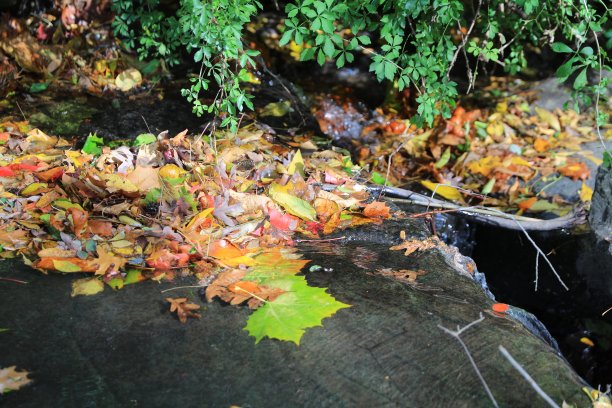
(376, 209)
(107, 261)
(11, 379)
(402, 275)
(183, 309)
(414, 245)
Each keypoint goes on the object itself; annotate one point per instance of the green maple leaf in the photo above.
(287, 317)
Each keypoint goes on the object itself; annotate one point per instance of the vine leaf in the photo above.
(287, 317)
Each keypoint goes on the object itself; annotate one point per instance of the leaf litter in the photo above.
(166, 207)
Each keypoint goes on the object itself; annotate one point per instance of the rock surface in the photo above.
(124, 348)
(600, 216)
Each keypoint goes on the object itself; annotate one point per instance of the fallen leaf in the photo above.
(144, 178)
(413, 245)
(586, 193)
(128, 79)
(107, 261)
(448, 192)
(376, 209)
(549, 118)
(527, 203)
(13, 380)
(86, 287)
(575, 170)
(183, 309)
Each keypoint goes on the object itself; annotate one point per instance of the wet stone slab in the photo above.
(124, 349)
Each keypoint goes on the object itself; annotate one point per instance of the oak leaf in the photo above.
(183, 309)
(376, 209)
(575, 170)
(413, 245)
(12, 380)
(107, 261)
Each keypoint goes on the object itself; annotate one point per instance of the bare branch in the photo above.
(464, 41)
(456, 334)
(527, 377)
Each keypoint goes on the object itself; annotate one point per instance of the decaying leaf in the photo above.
(183, 309)
(403, 275)
(13, 380)
(412, 245)
(86, 287)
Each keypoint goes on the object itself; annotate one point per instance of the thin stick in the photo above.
(22, 114)
(14, 281)
(527, 377)
(607, 310)
(320, 240)
(146, 124)
(456, 335)
(180, 287)
(464, 41)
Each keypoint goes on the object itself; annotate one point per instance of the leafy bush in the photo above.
(410, 42)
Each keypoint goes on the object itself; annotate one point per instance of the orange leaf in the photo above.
(49, 264)
(244, 286)
(575, 170)
(79, 220)
(541, 145)
(51, 174)
(526, 204)
(376, 209)
(102, 228)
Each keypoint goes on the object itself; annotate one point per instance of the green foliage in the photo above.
(299, 308)
(410, 42)
(288, 316)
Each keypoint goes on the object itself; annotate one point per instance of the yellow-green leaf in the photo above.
(549, 118)
(443, 159)
(34, 189)
(86, 287)
(297, 164)
(586, 193)
(294, 205)
(128, 79)
(65, 266)
(450, 193)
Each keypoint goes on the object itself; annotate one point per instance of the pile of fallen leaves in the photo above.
(222, 209)
(498, 153)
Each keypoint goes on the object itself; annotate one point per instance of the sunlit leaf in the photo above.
(86, 287)
(287, 317)
(448, 192)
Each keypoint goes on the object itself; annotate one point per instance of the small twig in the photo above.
(391, 160)
(464, 41)
(527, 377)
(22, 114)
(146, 124)
(607, 310)
(456, 334)
(14, 281)
(181, 287)
(320, 240)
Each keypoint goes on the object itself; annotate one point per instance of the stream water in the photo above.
(505, 257)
